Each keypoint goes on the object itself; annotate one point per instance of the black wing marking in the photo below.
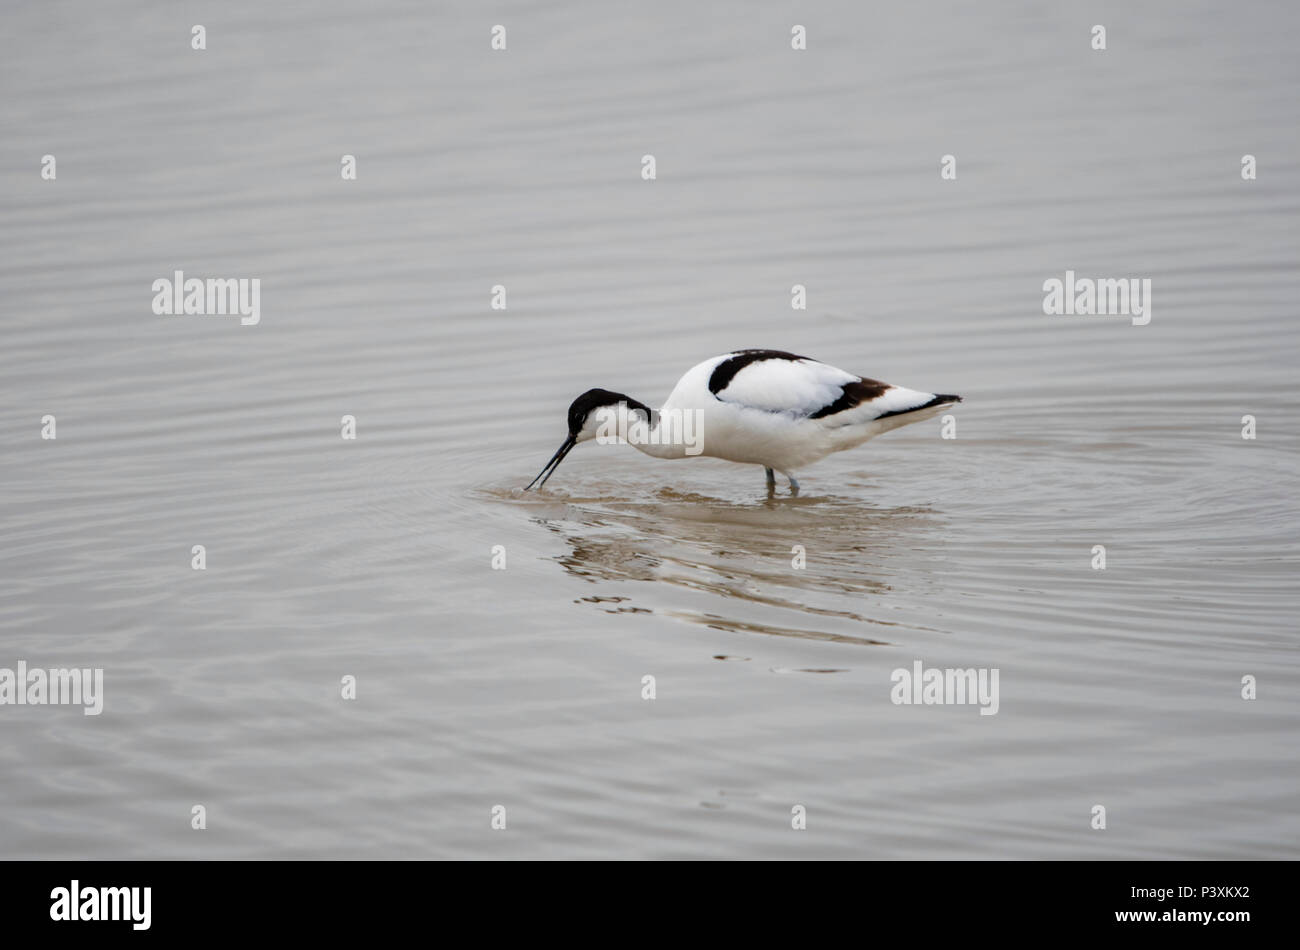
(854, 394)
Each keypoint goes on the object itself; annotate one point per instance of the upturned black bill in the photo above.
(554, 463)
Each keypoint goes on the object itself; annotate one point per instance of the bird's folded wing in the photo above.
(773, 381)
(800, 387)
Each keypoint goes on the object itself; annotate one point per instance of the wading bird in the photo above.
(764, 407)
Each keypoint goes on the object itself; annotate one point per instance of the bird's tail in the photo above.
(918, 407)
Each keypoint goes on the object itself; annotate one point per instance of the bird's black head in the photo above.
(581, 408)
(584, 422)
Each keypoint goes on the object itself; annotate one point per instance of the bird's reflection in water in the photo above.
(812, 567)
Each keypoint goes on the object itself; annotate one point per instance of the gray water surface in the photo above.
(522, 687)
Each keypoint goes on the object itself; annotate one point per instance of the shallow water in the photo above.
(522, 687)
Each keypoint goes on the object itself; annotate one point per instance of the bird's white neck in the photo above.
(672, 435)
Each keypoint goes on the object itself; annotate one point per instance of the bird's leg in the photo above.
(771, 479)
(794, 485)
